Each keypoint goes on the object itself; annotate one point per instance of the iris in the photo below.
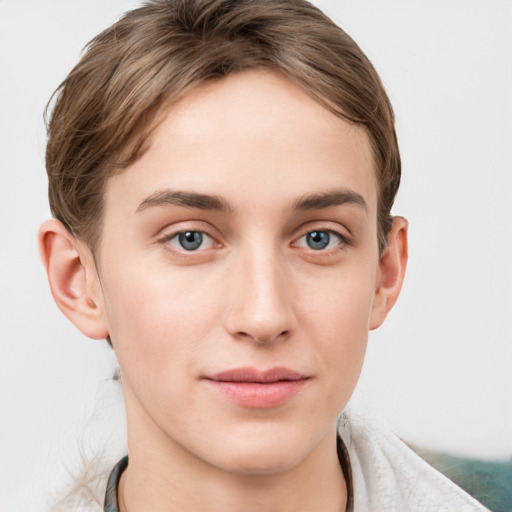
(318, 239)
(190, 240)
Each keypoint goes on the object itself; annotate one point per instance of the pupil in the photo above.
(318, 239)
(191, 240)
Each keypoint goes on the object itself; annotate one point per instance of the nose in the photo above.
(259, 306)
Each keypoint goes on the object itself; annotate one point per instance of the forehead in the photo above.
(249, 136)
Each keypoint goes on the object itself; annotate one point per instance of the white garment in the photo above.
(387, 476)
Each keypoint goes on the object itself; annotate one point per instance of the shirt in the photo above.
(381, 473)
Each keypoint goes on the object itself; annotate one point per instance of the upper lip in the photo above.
(279, 373)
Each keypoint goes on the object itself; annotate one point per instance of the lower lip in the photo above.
(258, 395)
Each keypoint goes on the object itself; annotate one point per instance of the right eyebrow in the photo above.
(320, 200)
(185, 199)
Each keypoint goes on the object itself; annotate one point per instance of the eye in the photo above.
(191, 240)
(320, 239)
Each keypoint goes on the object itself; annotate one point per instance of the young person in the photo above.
(221, 176)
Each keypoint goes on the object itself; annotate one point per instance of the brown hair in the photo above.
(112, 100)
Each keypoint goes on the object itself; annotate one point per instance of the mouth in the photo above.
(252, 388)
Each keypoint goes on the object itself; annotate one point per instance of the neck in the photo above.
(164, 477)
(164, 487)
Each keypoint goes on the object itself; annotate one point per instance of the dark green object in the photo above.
(490, 482)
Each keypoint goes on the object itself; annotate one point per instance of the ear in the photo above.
(391, 272)
(73, 279)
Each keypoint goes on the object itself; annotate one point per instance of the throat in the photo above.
(300, 489)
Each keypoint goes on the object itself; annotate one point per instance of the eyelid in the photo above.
(169, 232)
(329, 227)
(338, 244)
(199, 249)
(169, 236)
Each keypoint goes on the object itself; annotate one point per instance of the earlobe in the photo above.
(72, 277)
(391, 272)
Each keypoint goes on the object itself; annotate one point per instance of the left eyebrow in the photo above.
(185, 199)
(320, 200)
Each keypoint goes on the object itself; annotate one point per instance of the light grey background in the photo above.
(438, 372)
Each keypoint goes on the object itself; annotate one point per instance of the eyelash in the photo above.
(343, 240)
(166, 240)
(184, 253)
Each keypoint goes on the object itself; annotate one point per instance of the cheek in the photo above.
(344, 334)
(156, 319)
(337, 317)
(341, 301)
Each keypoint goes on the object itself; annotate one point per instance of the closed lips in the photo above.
(254, 389)
(253, 375)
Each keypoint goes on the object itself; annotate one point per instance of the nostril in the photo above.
(269, 338)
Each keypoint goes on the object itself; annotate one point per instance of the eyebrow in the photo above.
(320, 200)
(314, 201)
(186, 199)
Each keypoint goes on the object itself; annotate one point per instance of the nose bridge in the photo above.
(260, 307)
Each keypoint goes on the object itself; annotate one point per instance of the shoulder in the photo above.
(389, 477)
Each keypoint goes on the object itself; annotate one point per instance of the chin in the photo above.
(263, 453)
(258, 462)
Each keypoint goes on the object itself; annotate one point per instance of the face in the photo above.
(238, 266)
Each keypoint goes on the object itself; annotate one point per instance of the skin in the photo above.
(254, 294)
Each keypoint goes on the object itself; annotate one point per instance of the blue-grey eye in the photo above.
(188, 240)
(318, 239)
